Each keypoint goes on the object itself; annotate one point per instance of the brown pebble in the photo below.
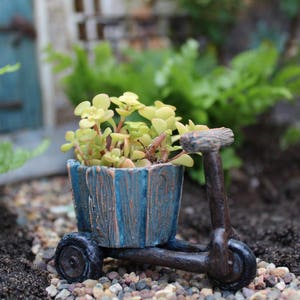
(279, 272)
(90, 283)
(79, 291)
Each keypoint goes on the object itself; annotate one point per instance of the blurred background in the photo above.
(222, 63)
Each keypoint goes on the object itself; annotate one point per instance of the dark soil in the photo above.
(18, 278)
(264, 199)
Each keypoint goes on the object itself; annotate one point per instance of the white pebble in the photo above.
(115, 288)
(280, 285)
(51, 290)
(63, 295)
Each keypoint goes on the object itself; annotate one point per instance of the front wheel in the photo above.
(244, 267)
(78, 257)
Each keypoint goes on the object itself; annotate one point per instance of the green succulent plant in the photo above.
(108, 137)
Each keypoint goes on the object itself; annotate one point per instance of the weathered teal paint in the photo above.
(133, 208)
(23, 85)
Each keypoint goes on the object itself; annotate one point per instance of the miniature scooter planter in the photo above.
(132, 214)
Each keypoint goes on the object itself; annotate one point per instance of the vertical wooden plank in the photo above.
(80, 192)
(131, 193)
(100, 182)
(163, 202)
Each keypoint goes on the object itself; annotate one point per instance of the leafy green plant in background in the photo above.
(11, 158)
(291, 137)
(89, 73)
(213, 19)
(193, 81)
(290, 7)
(9, 68)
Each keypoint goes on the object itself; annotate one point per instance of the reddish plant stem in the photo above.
(153, 147)
(96, 128)
(120, 125)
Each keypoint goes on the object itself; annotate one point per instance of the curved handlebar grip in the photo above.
(207, 140)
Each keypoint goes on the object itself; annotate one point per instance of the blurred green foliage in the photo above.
(193, 81)
(291, 137)
(11, 158)
(290, 7)
(212, 18)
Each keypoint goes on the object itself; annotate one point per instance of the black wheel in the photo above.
(78, 257)
(244, 267)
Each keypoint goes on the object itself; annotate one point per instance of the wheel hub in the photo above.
(72, 262)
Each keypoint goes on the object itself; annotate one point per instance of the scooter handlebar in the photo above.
(207, 140)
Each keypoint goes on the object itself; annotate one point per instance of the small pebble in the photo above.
(62, 295)
(52, 290)
(280, 285)
(271, 280)
(48, 253)
(248, 292)
(279, 272)
(98, 290)
(258, 296)
(116, 288)
(90, 283)
(140, 285)
(113, 275)
(206, 292)
(288, 278)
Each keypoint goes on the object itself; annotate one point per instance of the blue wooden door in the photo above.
(20, 99)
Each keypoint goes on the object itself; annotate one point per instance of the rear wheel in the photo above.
(244, 267)
(78, 257)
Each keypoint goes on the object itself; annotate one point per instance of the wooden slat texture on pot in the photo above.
(163, 193)
(77, 174)
(133, 208)
(103, 206)
(131, 191)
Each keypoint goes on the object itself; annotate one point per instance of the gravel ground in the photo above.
(45, 207)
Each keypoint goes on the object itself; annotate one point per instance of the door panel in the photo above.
(20, 98)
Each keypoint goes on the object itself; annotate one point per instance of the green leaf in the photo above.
(85, 123)
(11, 159)
(230, 159)
(101, 101)
(123, 112)
(291, 137)
(66, 147)
(184, 160)
(147, 112)
(159, 125)
(136, 154)
(119, 137)
(164, 113)
(9, 68)
(181, 128)
(70, 136)
(80, 108)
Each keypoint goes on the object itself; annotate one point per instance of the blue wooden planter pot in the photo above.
(127, 208)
